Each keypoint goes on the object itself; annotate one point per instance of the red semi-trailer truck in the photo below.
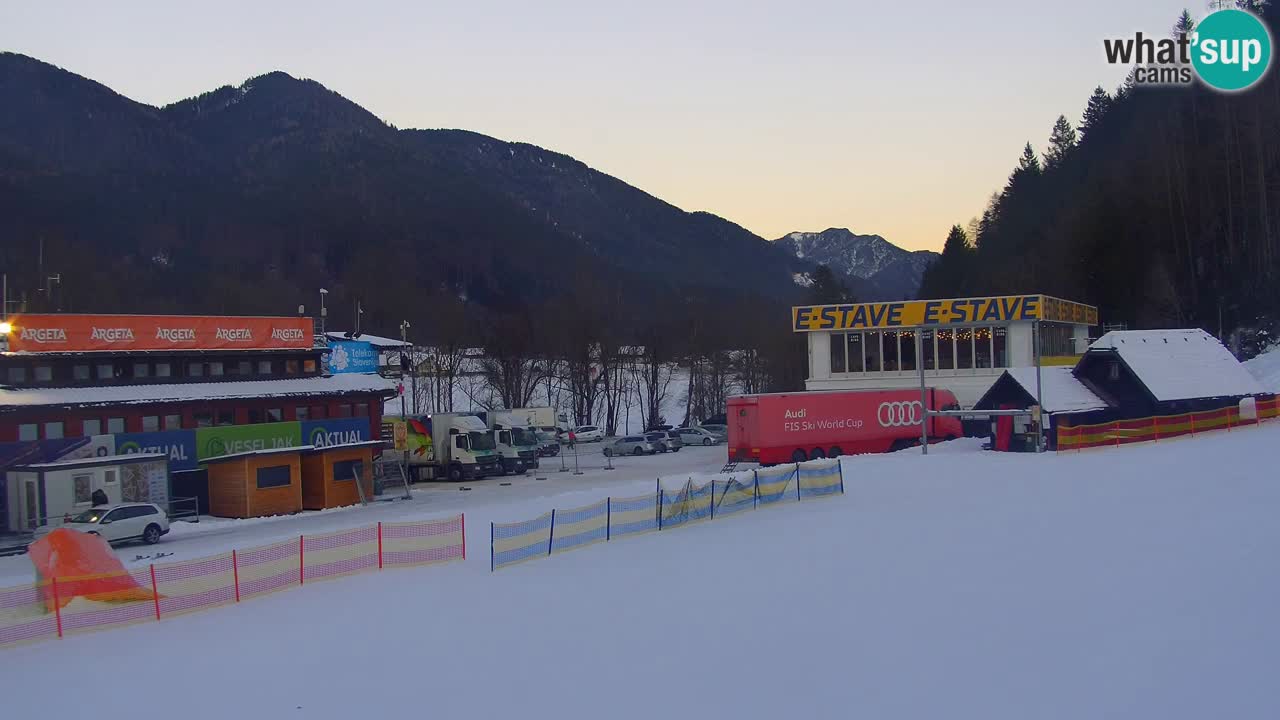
(794, 427)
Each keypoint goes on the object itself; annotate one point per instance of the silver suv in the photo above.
(630, 445)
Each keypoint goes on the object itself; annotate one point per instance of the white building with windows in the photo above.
(963, 344)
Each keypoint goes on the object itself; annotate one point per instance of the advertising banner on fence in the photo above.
(232, 439)
(351, 356)
(86, 333)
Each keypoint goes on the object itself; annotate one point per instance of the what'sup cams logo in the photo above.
(1229, 50)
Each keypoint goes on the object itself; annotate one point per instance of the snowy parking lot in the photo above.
(1132, 582)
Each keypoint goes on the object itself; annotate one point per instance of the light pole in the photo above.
(323, 311)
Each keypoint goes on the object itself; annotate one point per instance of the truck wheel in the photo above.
(638, 452)
(708, 442)
(835, 452)
(818, 454)
(455, 473)
(798, 456)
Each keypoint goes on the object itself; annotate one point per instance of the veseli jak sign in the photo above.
(941, 313)
(90, 333)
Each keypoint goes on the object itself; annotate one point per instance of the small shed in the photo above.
(43, 493)
(329, 472)
(1062, 394)
(256, 483)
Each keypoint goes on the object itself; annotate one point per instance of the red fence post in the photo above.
(1115, 432)
(57, 606)
(235, 573)
(1193, 422)
(1155, 427)
(301, 564)
(464, 536)
(155, 593)
(379, 544)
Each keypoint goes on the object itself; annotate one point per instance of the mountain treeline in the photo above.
(1161, 207)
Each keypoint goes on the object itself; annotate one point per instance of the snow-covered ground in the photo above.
(1266, 368)
(1132, 582)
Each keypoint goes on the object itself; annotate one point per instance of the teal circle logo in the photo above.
(128, 447)
(1231, 50)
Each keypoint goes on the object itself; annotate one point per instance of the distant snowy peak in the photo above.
(892, 273)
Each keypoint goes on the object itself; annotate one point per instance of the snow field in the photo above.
(1131, 582)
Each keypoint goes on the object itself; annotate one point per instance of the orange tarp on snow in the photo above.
(83, 566)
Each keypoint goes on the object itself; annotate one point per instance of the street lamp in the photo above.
(323, 311)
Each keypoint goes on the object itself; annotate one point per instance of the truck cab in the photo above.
(515, 440)
(470, 452)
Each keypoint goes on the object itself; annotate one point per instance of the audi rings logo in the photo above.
(899, 414)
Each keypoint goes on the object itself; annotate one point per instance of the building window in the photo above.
(172, 422)
(115, 425)
(300, 413)
(348, 470)
(83, 488)
(28, 432)
(342, 411)
(890, 350)
(1055, 340)
(964, 349)
(837, 353)
(319, 412)
(275, 476)
(226, 417)
(164, 369)
(150, 423)
(362, 409)
(141, 370)
(106, 371)
(982, 347)
(17, 374)
(53, 430)
(215, 368)
(907, 353)
(91, 427)
(245, 367)
(291, 367)
(203, 418)
(80, 372)
(855, 359)
(195, 369)
(44, 373)
(871, 344)
(946, 350)
(308, 366)
(1000, 345)
(930, 358)
(264, 367)
(275, 415)
(255, 416)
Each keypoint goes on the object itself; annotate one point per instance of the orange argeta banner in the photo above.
(83, 333)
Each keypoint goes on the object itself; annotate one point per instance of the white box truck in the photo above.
(453, 446)
(517, 444)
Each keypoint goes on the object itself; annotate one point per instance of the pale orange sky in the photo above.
(893, 118)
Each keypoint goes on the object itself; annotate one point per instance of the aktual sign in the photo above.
(929, 313)
(351, 356)
(83, 333)
(179, 445)
(338, 431)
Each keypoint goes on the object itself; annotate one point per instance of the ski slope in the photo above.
(1132, 582)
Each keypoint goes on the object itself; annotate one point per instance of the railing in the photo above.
(45, 609)
(561, 530)
(1162, 427)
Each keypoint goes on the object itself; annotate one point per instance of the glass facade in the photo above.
(953, 348)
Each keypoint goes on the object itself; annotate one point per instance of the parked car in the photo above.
(720, 431)
(630, 445)
(548, 441)
(117, 523)
(697, 436)
(673, 440)
(661, 441)
(587, 433)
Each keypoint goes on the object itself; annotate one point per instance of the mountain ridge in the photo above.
(874, 268)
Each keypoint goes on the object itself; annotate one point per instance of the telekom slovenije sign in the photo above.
(85, 333)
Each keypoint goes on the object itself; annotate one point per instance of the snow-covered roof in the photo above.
(134, 394)
(1060, 390)
(1266, 369)
(1180, 364)
(380, 343)
(124, 459)
(263, 451)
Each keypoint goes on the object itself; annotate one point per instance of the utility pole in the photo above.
(324, 312)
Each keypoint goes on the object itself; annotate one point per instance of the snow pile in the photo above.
(1266, 368)
(1180, 364)
(1135, 582)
